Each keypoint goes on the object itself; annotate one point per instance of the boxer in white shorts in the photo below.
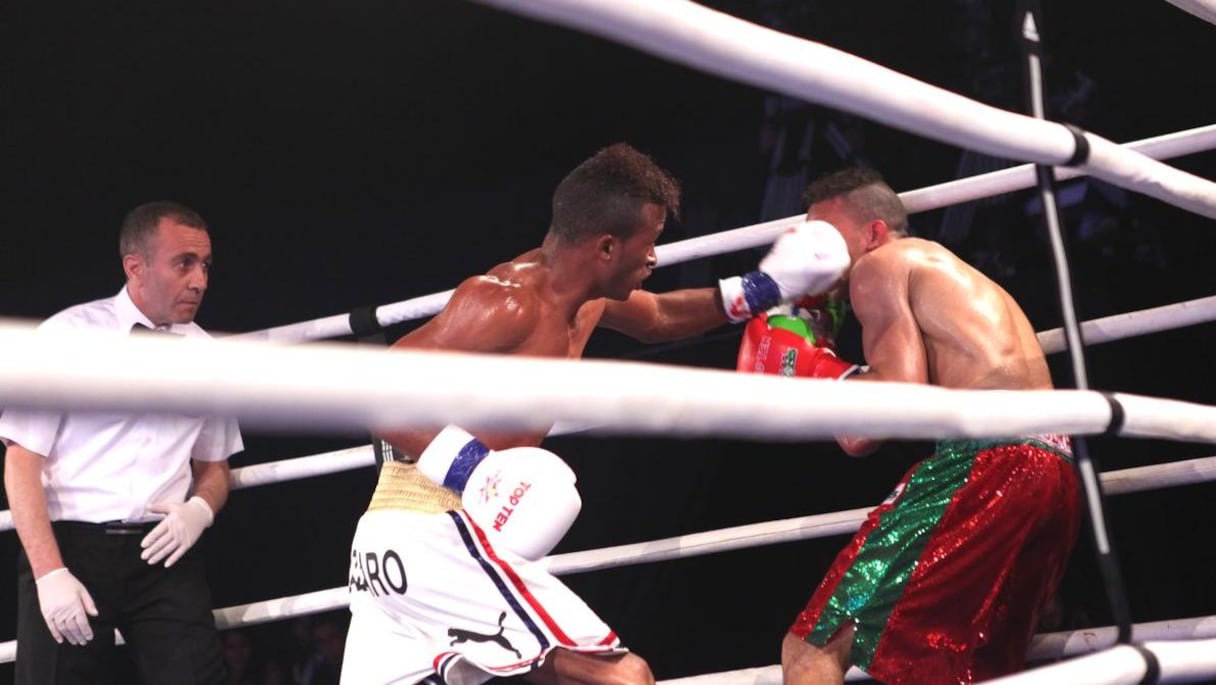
(447, 587)
(462, 595)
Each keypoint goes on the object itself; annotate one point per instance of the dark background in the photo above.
(356, 153)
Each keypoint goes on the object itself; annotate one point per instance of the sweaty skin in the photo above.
(926, 317)
(548, 301)
(929, 317)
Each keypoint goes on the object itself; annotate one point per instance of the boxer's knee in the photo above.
(805, 664)
(566, 667)
(634, 671)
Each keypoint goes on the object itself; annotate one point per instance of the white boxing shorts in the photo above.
(432, 601)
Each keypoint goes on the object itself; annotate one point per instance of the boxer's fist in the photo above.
(808, 259)
(524, 498)
(772, 344)
(821, 316)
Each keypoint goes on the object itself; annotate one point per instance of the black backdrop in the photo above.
(364, 152)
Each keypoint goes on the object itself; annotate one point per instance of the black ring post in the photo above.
(1029, 31)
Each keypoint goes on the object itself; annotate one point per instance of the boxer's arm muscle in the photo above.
(483, 315)
(651, 317)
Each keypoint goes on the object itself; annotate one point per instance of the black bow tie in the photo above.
(143, 329)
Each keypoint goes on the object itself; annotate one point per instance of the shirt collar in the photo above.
(128, 314)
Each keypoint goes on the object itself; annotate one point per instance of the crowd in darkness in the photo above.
(306, 651)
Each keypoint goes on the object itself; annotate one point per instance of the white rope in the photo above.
(764, 675)
(282, 608)
(716, 43)
(1204, 9)
(1023, 176)
(334, 387)
(302, 467)
(814, 526)
(1106, 329)
(1052, 645)
(1043, 647)
(1119, 326)
(1180, 662)
(1111, 163)
(1138, 479)
(836, 523)
(1157, 476)
(709, 542)
(747, 237)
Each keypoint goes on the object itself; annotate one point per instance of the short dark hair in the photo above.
(867, 194)
(139, 225)
(606, 194)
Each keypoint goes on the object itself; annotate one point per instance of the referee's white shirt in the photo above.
(110, 467)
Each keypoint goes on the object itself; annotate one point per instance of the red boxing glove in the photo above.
(823, 316)
(770, 349)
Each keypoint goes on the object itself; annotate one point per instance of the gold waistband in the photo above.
(402, 486)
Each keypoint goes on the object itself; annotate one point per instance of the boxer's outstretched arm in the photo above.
(652, 318)
(807, 259)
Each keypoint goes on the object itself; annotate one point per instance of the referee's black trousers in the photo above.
(164, 614)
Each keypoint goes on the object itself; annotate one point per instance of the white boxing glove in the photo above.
(524, 497)
(451, 457)
(808, 259)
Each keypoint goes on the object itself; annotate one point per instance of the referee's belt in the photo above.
(114, 527)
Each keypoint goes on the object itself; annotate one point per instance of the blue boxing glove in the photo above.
(808, 259)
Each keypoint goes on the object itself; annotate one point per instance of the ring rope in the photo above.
(1187, 661)
(1130, 324)
(756, 535)
(352, 388)
(1105, 329)
(1136, 405)
(1138, 479)
(921, 200)
(1204, 9)
(1043, 647)
(722, 45)
(1182, 661)
(1176, 659)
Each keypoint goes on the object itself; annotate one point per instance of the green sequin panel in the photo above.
(874, 583)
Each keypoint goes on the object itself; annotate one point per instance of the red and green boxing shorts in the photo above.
(944, 581)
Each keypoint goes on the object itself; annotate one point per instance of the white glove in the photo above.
(808, 259)
(183, 524)
(450, 458)
(65, 603)
(524, 497)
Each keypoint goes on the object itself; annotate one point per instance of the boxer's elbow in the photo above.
(858, 447)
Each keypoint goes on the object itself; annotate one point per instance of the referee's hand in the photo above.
(66, 606)
(177, 532)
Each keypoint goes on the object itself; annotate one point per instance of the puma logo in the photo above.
(459, 635)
